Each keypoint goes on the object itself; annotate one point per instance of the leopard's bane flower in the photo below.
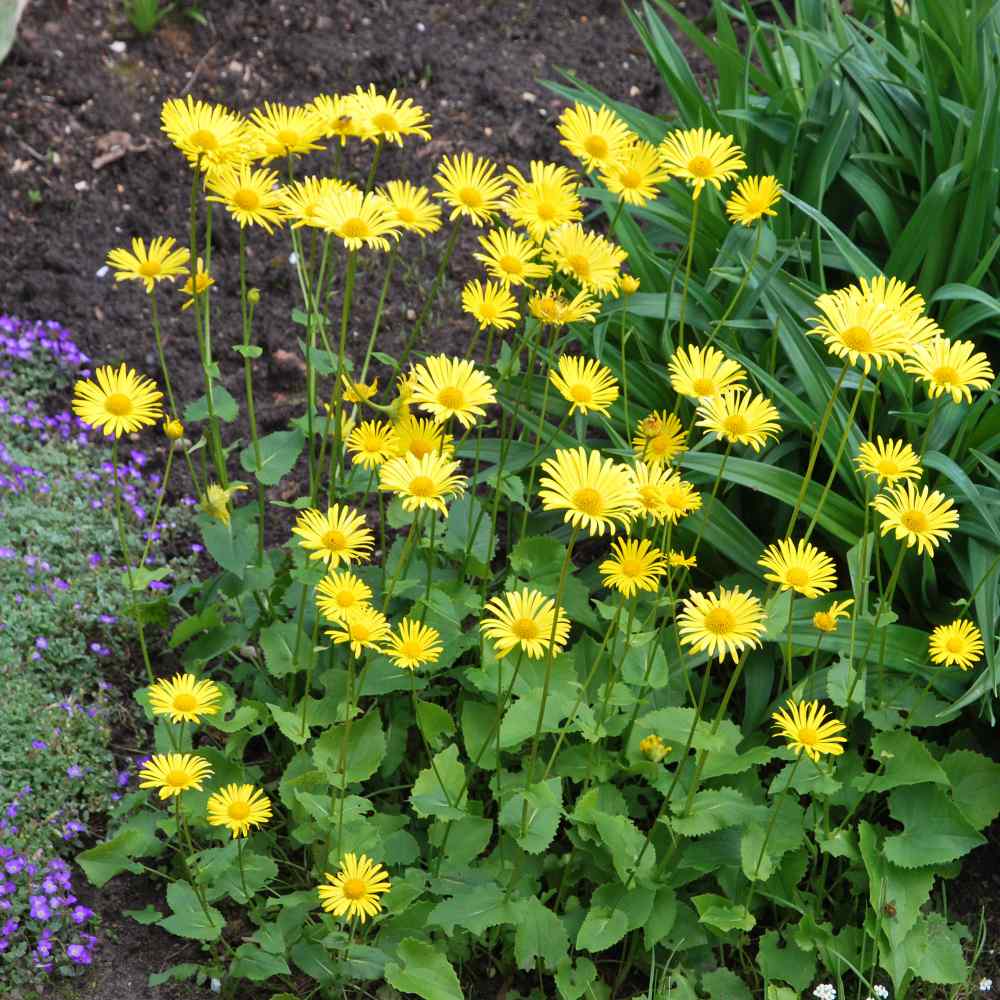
(590, 259)
(419, 436)
(653, 748)
(700, 373)
(799, 567)
(215, 502)
(354, 891)
(238, 808)
(510, 258)
(636, 174)
(362, 628)
(660, 437)
(471, 187)
(596, 493)
(117, 402)
(414, 645)
(491, 303)
(410, 207)
(173, 773)
(157, 263)
(950, 366)
(209, 135)
(826, 621)
(958, 644)
(371, 443)
(753, 198)
(526, 620)
(336, 115)
(543, 201)
(339, 535)
(251, 197)
(634, 564)
(701, 157)
(300, 199)
(551, 309)
(860, 329)
(197, 284)
(358, 219)
(723, 624)
(596, 138)
(918, 517)
(173, 429)
(452, 387)
(888, 460)
(387, 118)
(338, 595)
(185, 698)
(278, 130)
(422, 482)
(805, 726)
(740, 418)
(585, 384)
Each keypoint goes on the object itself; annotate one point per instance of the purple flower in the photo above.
(39, 745)
(40, 909)
(78, 954)
(158, 585)
(74, 771)
(15, 866)
(81, 914)
(41, 642)
(10, 927)
(94, 560)
(123, 778)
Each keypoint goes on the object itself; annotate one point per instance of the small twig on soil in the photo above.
(198, 68)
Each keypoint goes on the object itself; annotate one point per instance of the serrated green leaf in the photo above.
(722, 984)
(718, 912)
(975, 785)
(715, 809)
(476, 909)
(785, 961)
(907, 762)
(424, 970)
(633, 856)
(534, 826)
(540, 935)
(602, 927)
(279, 451)
(437, 790)
(934, 830)
(188, 918)
(351, 752)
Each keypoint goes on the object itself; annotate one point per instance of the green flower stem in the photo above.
(814, 451)
(374, 167)
(379, 309)
(711, 498)
(432, 295)
(155, 319)
(612, 227)
(687, 269)
(243, 878)
(539, 451)
(159, 506)
(788, 651)
(345, 742)
(930, 424)
(424, 740)
(182, 828)
(721, 322)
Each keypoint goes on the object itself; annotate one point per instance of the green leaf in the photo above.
(232, 548)
(176, 973)
(424, 971)
(149, 914)
(725, 985)
(468, 838)
(188, 918)
(223, 402)
(364, 743)
(534, 825)
(278, 641)
(259, 870)
(279, 452)
(715, 809)
(628, 847)
(907, 762)
(540, 935)
(248, 350)
(789, 963)
(538, 560)
(934, 951)
(476, 909)
(975, 785)
(469, 530)
(103, 861)
(934, 830)
(437, 789)
(602, 927)
(718, 912)
(573, 981)
(252, 963)
(434, 721)
(662, 917)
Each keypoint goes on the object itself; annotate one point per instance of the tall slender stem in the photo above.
(687, 270)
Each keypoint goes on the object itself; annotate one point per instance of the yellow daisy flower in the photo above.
(471, 187)
(949, 366)
(197, 284)
(371, 443)
(364, 628)
(585, 384)
(300, 200)
(238, 808)
(800, 567)
(491, 303)
(888, 460)
(173, 429)
(660, 437)
(661, 493)
(337, 536)
(358, 392)
(543, 201)
(552, 309)
(215, 502)
(339, 595)
(452, 387)
(387, 118)
(410, 207)
(701, 157)
(680, 498)
(209, 135)
(826, 621)
(250, 196)
(722, 624)
(419, 436)
(117, 402)
(414, 645)
(173, 773)
(184, 698)
(591, 259)
(422, 482)
(524, 619)
(959, 644)
(740, 417)
(860, 329)
(635, 174)
(677, 560)
(596, 138)
(634, 565)
(628, 284)
(160, 262)
(354, 890)
(596, 493)
(336, 115)
(804, 724)
(279, 130)
(510, 257)
(359, 219)
(698, 373)
(753, 198)
(898, 298)
(653, 748)
(918, 517)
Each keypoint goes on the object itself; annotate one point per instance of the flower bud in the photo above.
(174, 429)
(253, 296)
(654, 748)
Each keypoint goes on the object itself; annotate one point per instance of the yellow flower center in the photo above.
(857, 338)
(589, 501)
(797, 576)
(703, 386)
(700, 166)
(204, 140)
(185, 702)
(632, 567)
(247, 199)
(824, 621)
(660, 444)
(355, 228)
(412, 649)
(579, 264)
(239, 811)
(346, 599)
(488, 311)
(755, 207)
(630, 178)
(118, 404)
(406, 214)
(386, 122)
(334, 540)
(422, 486)
(719, 621)
(596, 146)
(511, 265)
(178, 779)
(289, 137)
(421, 447)
(545, 211)
(581, 393)
(150, 268)
(735, 424)
(888, 468)
(915, 521)
(649, 497)
(525, 628)
(355, 888)
(946, 375)
(955, 644)
(807, 737)
(451, 397)
(471, 197)
(360, 632)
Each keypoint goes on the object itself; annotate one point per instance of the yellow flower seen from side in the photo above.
(800, 567)
(680, 498)
(354, 891)
(197, 284)
(806, 727)
(370, 443)
(627, 285)
(411, 208)
(279, 130)
(699, 373)
(386, 117)
(471, 187)
(585, 384)
(339, 535)
(336, 116)
(422, 482)
(740, 418)
(250, 196)
(723, 624)
(364, 628)
(490, 303)
(510, 257)
(340, 594)
(596, 138)
(859, 329)
(209, 135)
(414, 645)
(653, 748)
(452, 387)
(958, 644)
(215, 502)
(634, 564)
(677, 560)
(239, 808)
(552, 309)
(826, 621)
(701, 156)
(636, 173)
(919, 517)
(300, 200)
(662, 494)
(358, 392)
(419, 436)
(596, 493)
(902, 301)
(174, 773)
(524, 619)
(950, 367)
(157, 263)
(888, 460)
(544, 200)
(587, 257)
(660, 437)
(184, 698)
(173, 429)
(753, 198)
(117, 402)
(358, 219)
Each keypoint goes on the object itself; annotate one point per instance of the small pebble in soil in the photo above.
(118, 47)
